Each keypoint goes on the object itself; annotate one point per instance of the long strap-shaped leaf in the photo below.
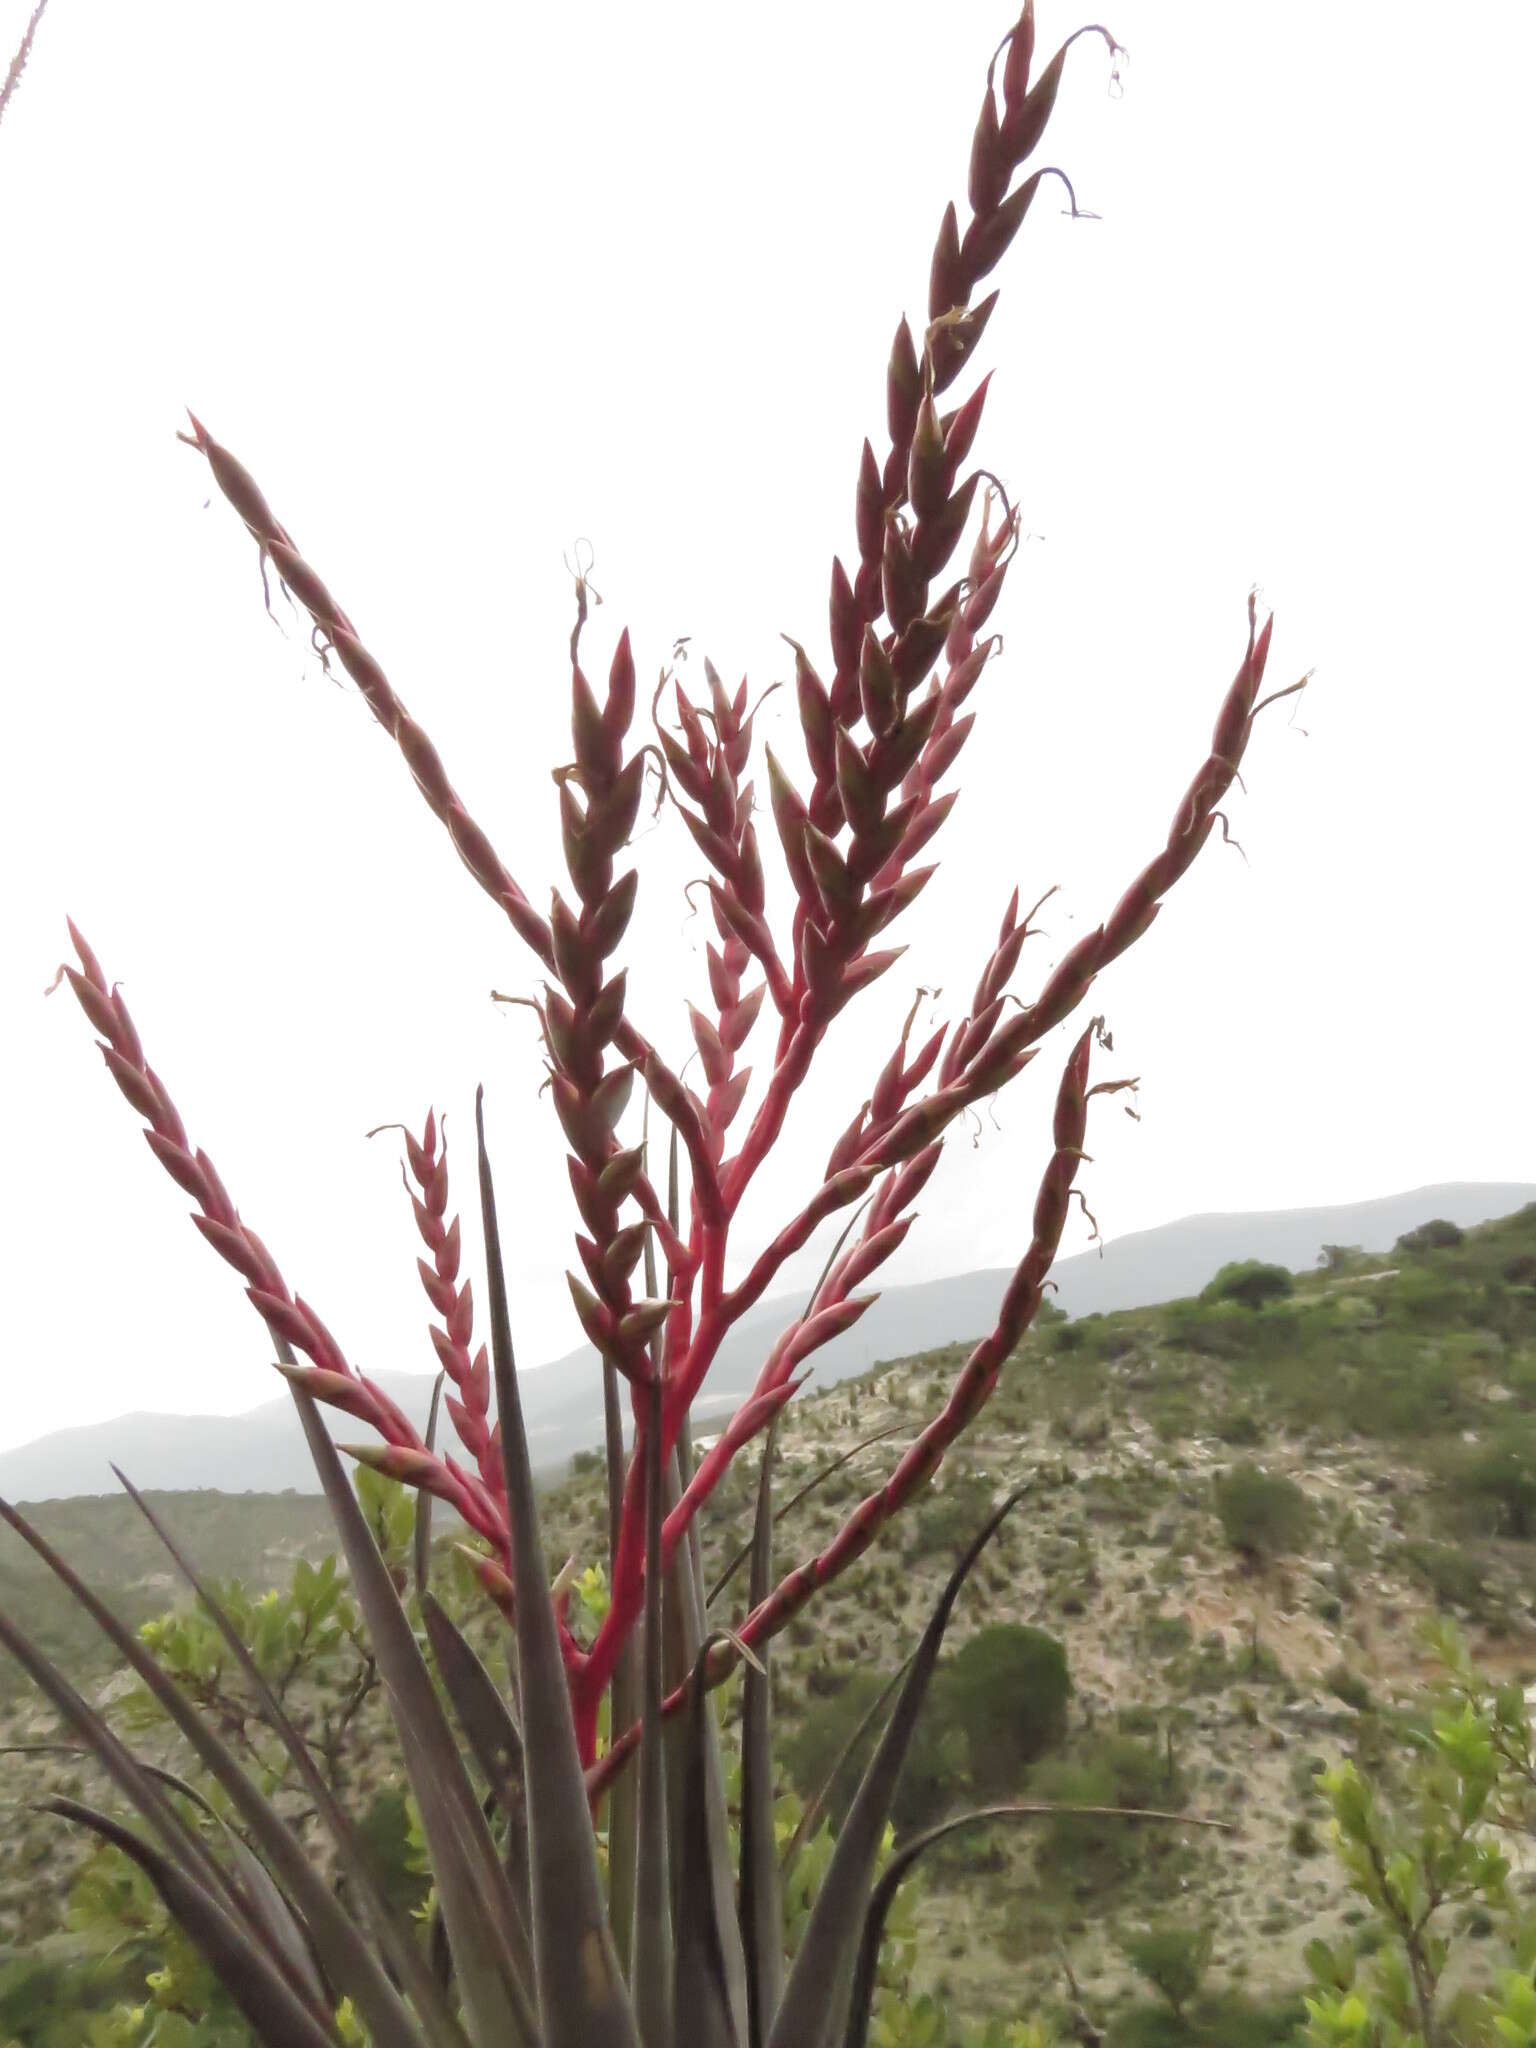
(810, 2013)
(493, 1736)
(279, 2016)
(421, 1546)
(352, 1964)
(762, 1905)
(694, 1754)
(685, 1422)
(182, 1843)
(891, 1878)
(626, 1697)
(423, 1725)
(265, 1901)
(582, 2000)
(624, 1693)
(651, 1967)
(483, 1713)
(703, 1990)
(472, 1888)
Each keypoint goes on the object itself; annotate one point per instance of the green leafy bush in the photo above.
(1497, 1482)
(1436, 1235)
(1109, 1771)
(949, 1515)
(1173, 1959)
(1250, 1282)
(1263, 1514)
(1007, 1691)
(1455, 1576)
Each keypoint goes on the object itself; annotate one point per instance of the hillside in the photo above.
(262, 1451)
(1398, 1393)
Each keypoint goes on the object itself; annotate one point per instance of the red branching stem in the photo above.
(987, 1060)
(972, 1389)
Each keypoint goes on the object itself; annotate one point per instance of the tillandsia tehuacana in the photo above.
(675, 1945)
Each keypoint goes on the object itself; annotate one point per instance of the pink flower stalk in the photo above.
(882, 728)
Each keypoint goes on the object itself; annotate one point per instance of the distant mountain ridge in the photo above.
(263, 1450)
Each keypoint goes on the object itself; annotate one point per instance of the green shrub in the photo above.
(1263, 1514)
(950, 1515)
(1239, 1426)
(1498, 1480)
(1114, 1770)
(1250, 1282)
(1455, 1576)
(810, 1747)
(384, 1835)
(1007, 1690)
(1173, 1960)
(1350, 1687)
(1436, 1235)
(1167, 1634)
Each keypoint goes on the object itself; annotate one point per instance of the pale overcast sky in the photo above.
(460, 284)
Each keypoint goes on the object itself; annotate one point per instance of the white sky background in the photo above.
(459, 293)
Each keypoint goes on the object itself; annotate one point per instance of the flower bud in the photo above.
(605, 926)
(1021, 50)
(895, 754)
(903, 587)
(846, 624)
(815, 716)
(951, 343)
(716, 1060)
(927, 476)
(1024, 121)
(617, 1179)
(903, 387)
(834, 885)
(736, 1024)
(863, 798)
(620, 708)
(947, 280)
(869, 505)
(879, 692)
(987, 178)
(750, 872)
(918, 648)
(790, 816)
(936, 538)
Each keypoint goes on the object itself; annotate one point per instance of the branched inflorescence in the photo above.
(881, 731)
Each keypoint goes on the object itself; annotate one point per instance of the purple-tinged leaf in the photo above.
(814, 1997)
(582, 2001)
(281, 2019)
(762, 1905)
(350, 1960)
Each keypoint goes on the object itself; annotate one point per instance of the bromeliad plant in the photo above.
(674, 1945)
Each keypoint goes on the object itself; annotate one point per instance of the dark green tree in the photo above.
(1008, 1691)
(1250, 1282)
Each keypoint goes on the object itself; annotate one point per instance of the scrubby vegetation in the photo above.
(1129, 1653)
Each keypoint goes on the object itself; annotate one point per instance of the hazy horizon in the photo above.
(1081, 1286)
